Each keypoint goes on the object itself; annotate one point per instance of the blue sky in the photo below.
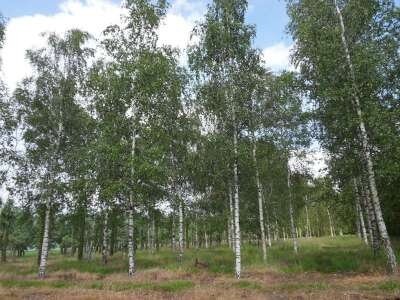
(27, 19)
(269, 16)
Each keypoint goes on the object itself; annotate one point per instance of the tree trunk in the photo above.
(180, 212)
(45, 244)
(82, 227)
(236, 200)
(260, 200)
(391, 258)
(131, 247)
(196, 235)
(330, 223)
(152, 231)
(231, 218)
(308, 225)
(4, 243)
(375, 239)
(291, 213)
(229, 233)
(360, 216)
(173, 242)
(105, 239)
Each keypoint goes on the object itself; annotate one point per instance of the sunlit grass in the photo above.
(160, 272)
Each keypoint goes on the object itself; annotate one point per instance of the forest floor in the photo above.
(325, 268)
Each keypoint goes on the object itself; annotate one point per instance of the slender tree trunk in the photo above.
(291, 213)
(260, 200)
(45, 244)
(180, 232)
(269, 238)
(131, 246)
(360, 216)
(375, 239)
(236, 200)
(105, 239)
(4, 244)
(362, 224)
(330, 223)
(231, 218)
(196, 234)
(173, 242)
(82, 226)
(229, 233)
(152, 231)
(391, 258)
(308, 225)
(131, 241)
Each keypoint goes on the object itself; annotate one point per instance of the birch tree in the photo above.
(46, 100)
(342, 85)
(224, 43)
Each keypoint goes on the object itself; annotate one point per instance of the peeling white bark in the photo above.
(45, 243)
(180, 231)
(105, 238)
(236, 200)
(131, 246)
(231, 218)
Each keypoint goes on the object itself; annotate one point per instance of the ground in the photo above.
(325, 268)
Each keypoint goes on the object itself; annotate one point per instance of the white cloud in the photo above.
(277, 57)
(312, 160)
(93, 16)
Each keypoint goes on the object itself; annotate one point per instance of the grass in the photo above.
(18, 283)
(322, 264)
(325, 255)
(172, 286)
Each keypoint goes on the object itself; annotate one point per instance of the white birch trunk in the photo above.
(196, 235)
(131, 246)
(391, 258)
(330, 223)
(362, 224)
(45, 243)
(308, 226)
(229, 233)
(260, 201)
(231, 219)
(180, 208)
(153, 234)
(269, 240)
(374, 229)
(236, 201)
(360, 216)
(291, 213)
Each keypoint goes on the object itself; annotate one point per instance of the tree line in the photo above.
(120, 147)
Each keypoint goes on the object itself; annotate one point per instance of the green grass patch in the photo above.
(248, 285)
(345, 254)
(390, 286)
(17, 283)
(172, 286)
(308, 287)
